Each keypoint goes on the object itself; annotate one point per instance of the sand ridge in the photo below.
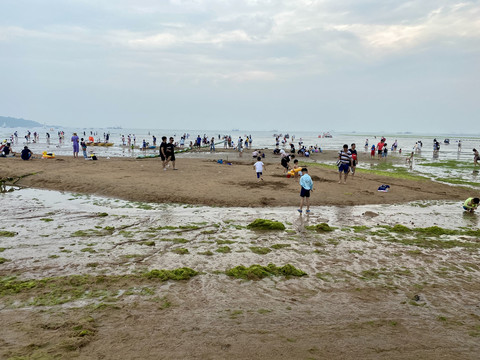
(203, 181)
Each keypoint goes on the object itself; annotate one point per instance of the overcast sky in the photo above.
(249, 64)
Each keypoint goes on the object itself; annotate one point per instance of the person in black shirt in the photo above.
(26, 153)
(6, 150)
(163, 147)
(353, 151)
(170, 154)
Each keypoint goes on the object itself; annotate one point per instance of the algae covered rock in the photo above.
(264, 224)
(322, 227)
(257, 272)
(184, 273)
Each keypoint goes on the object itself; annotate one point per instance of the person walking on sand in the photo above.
(163, 147)
(306, 184)
(170, 154)
(345, 158)
(353, 151)
(471, 204)
(259, 167)
(76, 148)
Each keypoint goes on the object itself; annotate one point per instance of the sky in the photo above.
(352, 65)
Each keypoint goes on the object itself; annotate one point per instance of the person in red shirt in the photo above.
(380, 148)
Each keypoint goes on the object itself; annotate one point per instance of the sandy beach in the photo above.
(202, 181)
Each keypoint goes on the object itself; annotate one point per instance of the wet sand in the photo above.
(369, 293)
(72, 265)
(203, 181)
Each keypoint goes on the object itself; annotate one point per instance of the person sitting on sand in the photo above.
(26, 153)
(471, 204)
(6, 151)
(295, 166)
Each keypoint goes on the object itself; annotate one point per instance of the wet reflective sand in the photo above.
(373, 290)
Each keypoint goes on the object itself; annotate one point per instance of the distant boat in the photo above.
(4, 125)
(326, 135)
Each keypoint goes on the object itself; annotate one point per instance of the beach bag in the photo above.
(383, 188)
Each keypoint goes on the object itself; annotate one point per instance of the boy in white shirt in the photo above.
(259, 167)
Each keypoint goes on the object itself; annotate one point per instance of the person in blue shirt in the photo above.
(307, 186)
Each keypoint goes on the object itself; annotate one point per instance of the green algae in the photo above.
(2, 249)
(183, 273)
(180, 251)
(322, 227)
(325, 276)
(454, 164)
(260, 250)
(176, 240)
(222, 242)
(3, 260)
(89, 250)
(256, 272)
(147, 243)
(4, 233)
(224, 249)
(207, 253)
(264, 224)
(46, 219)
(280, 246)
(108, 230)
(458, 181)
(102, 214)
(60, 290)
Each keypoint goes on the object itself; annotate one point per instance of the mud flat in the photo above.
(90, 277)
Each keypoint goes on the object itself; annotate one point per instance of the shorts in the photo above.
(343, 167)
(172, 157)
(380, 152)
(285, 165)
(304, 192)
(259, 174)
(162, 157)
(467, 209)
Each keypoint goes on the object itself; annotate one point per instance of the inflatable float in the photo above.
(46, 155)
(293, 172)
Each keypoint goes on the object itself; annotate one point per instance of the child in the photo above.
(307, 185)
(295, 166)
(471, 204)
(84, 148)
(259, 166)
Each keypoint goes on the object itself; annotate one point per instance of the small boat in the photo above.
(326, 135)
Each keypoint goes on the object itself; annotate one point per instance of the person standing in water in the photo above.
(306, 184)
